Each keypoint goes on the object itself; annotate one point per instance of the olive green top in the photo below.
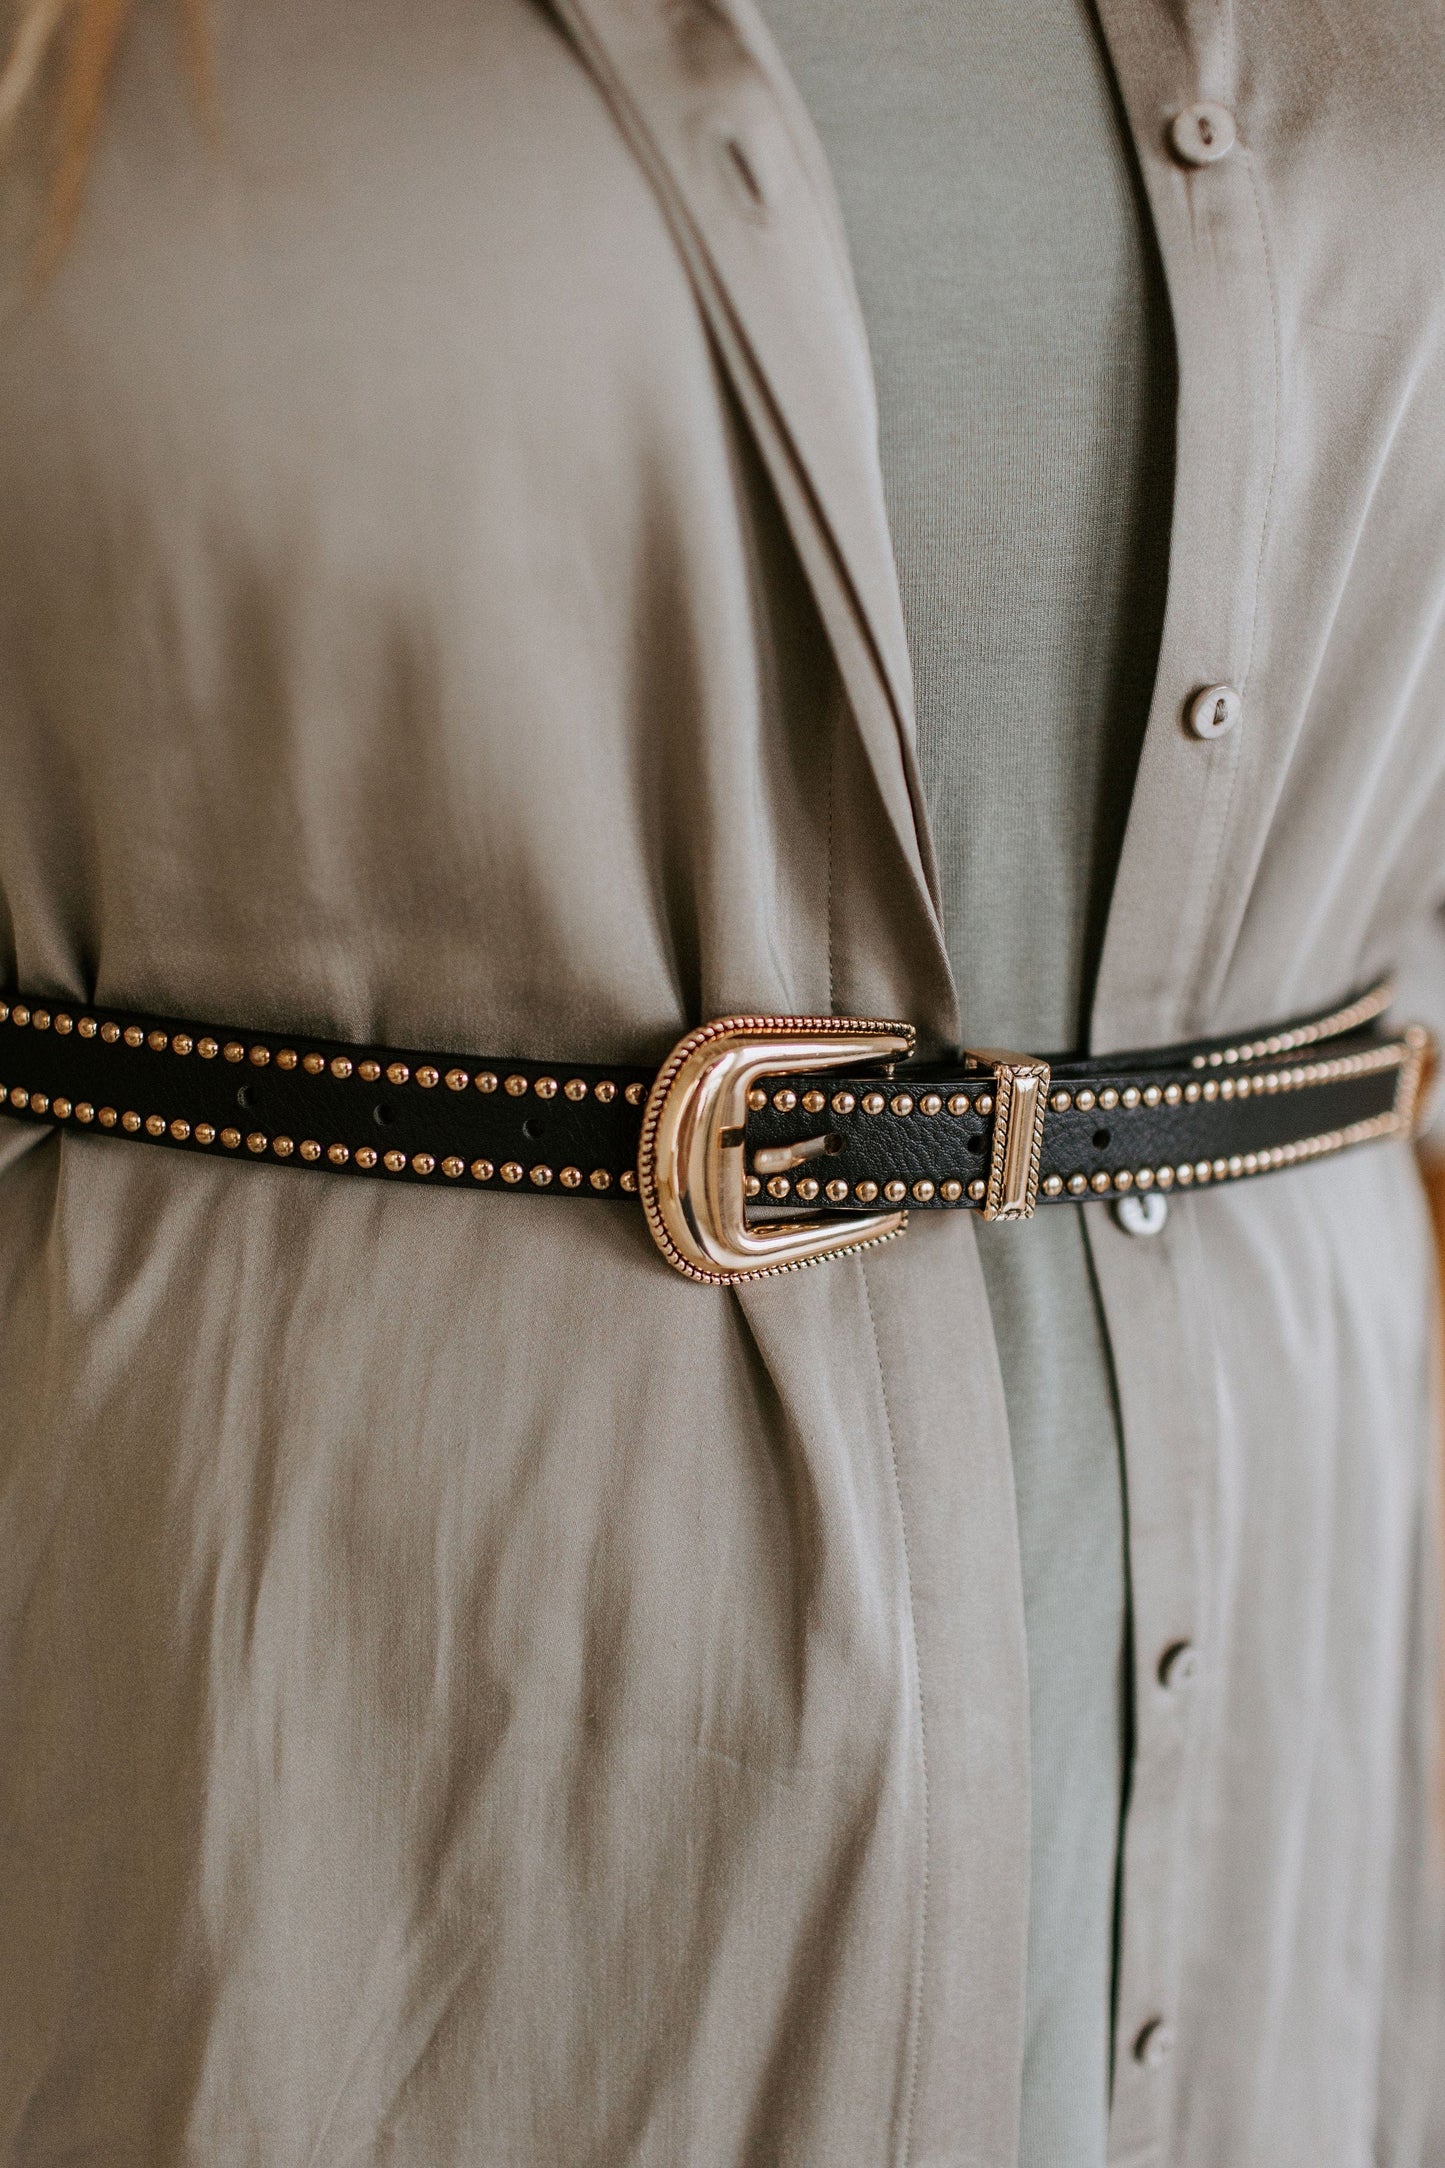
(1024, 371)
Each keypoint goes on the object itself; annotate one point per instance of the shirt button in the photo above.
(1141, 1215)
(1202, 133)
(1154, 2043)
(1214, 710)
(1178, 1665)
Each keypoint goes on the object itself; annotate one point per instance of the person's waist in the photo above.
(763, 1143)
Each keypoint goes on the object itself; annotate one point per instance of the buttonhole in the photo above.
(1101, 1140)
(381, 1113)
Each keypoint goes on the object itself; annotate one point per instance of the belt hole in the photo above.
(1101, 1140)
(533, 1128)
(976, 1144)
(381, 1113)
(247, 1096)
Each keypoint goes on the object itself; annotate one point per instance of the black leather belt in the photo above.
(748, 1120)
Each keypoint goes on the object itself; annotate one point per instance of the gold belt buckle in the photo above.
(691, 1173)
(1021, 1093)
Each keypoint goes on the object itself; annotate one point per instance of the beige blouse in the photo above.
(471, 1696)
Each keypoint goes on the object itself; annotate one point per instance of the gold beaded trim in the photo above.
(341, 1066)
(1407, 1055)
(1334, 1026)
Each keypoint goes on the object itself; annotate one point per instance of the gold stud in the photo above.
(865, 1192)
(457, 1080)
(923, 1191)
(1210, 1088)
(1084, 1099)
(1164, 1177)
(635, 1094)
(287, 1057)
(1191, 1093)
(571, 1178)
(257, 1141)
(895, 1191)
(40, 1018)
(313, 1064)
(398, 1073)
(546, 1087)
(515, 1085)
(61, 1109)
(1153, 1095)
(600, 1178)
(1184, 1175)
(205, 1133)
(422, 1163)
(951, 1190)
(133, 1035)
(155, 1125)
(453, 1168)
(85, 1112)
(808, 1188)
(539, 1176)
(1077, 1184)
(606, 1091)
(1052, 1185)
(87, 1027)
(260, 1057)
(283, 1147)
(1061, 1102)
(1129, 1096)
(1124, 1179)
(1226, 1088)
(814, 1101)
(232, 1050)
(1234, 1165)
(4, 1012)
(107, 1116)
(481, 1170)
(155, 1040)
(369, 1071)
(231, 1138)
(836, 1191)
(842, 1102)
(310, 1149)
(985, 1102)
(1099, 1183)
(752, 1186)
(427, 1077)
(340, 1065)
(976, 1191)
(779, 1186)
(512, 1170)
(108, 1031)
(21, 1015)
(338, 1154)
(930, 1103)
(39, 1102)
(628, 1180)
(365, 1156)
(1144, 1178)
(959, 1103)
(574, 1088)
(393, 1162)
(64, 1023)
(183, 1043)
(901, 1103)
(207, 1049)
(1108, 1098)
(757, 1099)
(873, 1102)
(1251, 1162)
(785, 1100)
(130, 1121)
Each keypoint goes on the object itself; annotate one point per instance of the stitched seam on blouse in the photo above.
(916, 2016)
(1205, 959)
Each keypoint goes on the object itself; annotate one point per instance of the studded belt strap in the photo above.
(763, 1143)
